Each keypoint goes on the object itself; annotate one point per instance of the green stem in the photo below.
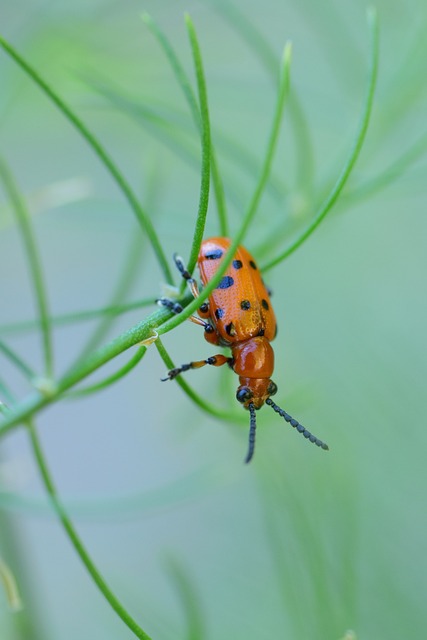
(136, 359)
(99, 150)
(206, 147)
(78, 316)
(160, 321)
(34, 263)
(200, 119)
(261, 45)
(6, 395)
(38, 400)
(201, 403)
(17, 361)
(390, 174)
(76, 541)
(252, 208)
(189, 596)
(274, 135)
(354, 152)
(124, 283)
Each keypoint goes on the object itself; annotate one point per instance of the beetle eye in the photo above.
(243, 394)
(272, 388)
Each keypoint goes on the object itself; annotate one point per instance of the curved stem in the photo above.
(78, 316)
(76, 540)
(125, 280)
(207, 407)
(252, 208)
(200, 118)
(34, 263)
(102, 154)
(136, 359)
(17, 361)
(354, 152)
(206, 148)
(36, 401)
(162, 321)
(390, 173)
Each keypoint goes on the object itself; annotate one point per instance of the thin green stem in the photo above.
(274, 135)
(207, 407)
(76, 540)
(78, 316)
(6, 395)
(99, 150)
(305, 164)
(110, 379)
(175, 133)
(176, 66)
(354, 152)
(162, 320)
(390, 173)
(200, 118)
(218, 186)
(36, 401)
(249, 32)
(124, 283)
(252, 208)
(34, 263)
(189, 597)
(17, 361)
(206, 146)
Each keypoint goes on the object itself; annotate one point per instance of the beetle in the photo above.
(239, 315)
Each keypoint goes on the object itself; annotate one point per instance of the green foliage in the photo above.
(328, 547)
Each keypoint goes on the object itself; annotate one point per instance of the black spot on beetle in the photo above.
(245, 305)
(261, 332)
(230, 329)
(264, 304)
(219, 313)
(237, 264)
(252, 263)
(215, 254)
(226, 282)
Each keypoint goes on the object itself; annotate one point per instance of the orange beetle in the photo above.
(238, 314)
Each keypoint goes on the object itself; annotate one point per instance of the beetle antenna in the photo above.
(252, 430)
(294, 423)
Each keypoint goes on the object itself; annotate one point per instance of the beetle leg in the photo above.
(186, 275)
(170, 304)
(215, 361)
(176, 308)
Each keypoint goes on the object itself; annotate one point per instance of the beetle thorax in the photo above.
(253, 358)
(254, 364)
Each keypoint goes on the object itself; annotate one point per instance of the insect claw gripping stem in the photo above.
(173, 306)
(175, 372)
(299, 427)
(180, 265)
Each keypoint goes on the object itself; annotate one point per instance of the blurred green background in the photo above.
(301, 544)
